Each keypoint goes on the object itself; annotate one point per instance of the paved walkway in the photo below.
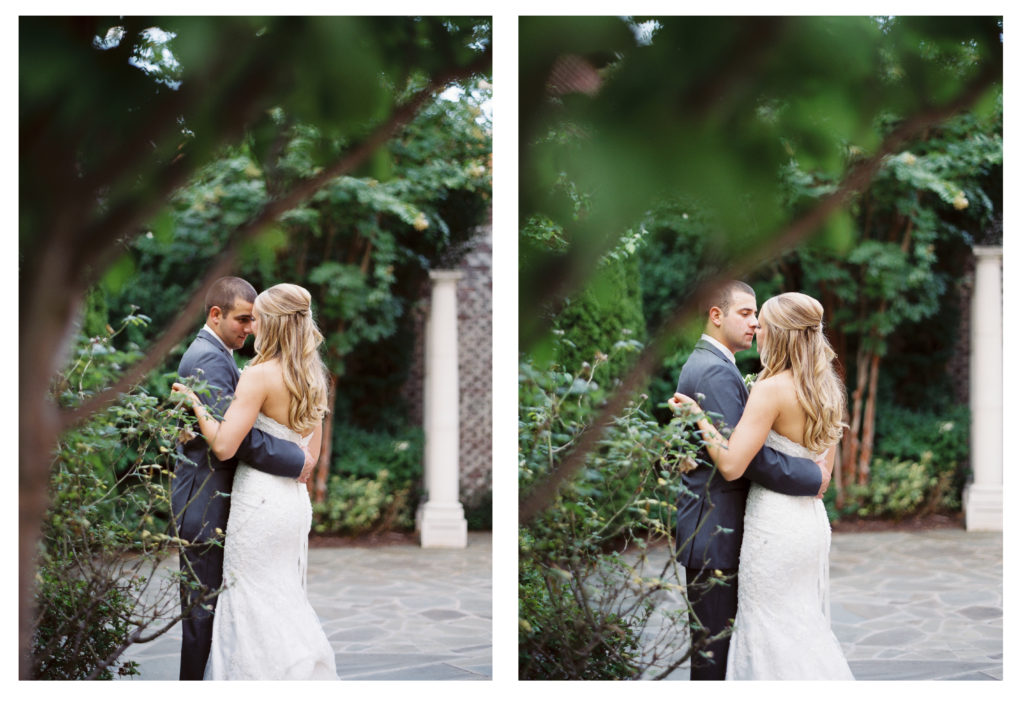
(396, 612)
(916, 605)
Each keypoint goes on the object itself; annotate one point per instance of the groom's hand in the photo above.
(826, 475)
(307, 467)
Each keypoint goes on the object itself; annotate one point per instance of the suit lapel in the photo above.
(711, 348)
(208, 337)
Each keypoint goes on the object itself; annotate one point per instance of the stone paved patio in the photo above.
(924, 605)
(396, 612)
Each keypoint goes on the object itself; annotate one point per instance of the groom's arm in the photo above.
(266, 453)
(783, 473)
(771, 469)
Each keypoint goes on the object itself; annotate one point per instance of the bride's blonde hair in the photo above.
(288, 332)
(794, 339)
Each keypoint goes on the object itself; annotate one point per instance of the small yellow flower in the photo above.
(421, 223)
(960, 201)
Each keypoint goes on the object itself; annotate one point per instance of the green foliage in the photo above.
(363, 504)
(605, 318)
(896, 489)
(364, 453)
(557, 637)
(361, 245)
(583, 608)
(105, 530)
(480, 512)
(920, 464)
(373, 482)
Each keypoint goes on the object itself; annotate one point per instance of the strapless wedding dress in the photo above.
(783, 622)
(264, 626)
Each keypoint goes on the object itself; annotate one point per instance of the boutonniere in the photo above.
(749, 380)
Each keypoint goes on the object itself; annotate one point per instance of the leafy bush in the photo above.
(104, 532)
(364, 453)
(559, 638)
(479, 513)
(920, 465)
(358, 505)
(587, 612)
(374, 481)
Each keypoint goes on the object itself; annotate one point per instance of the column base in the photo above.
(983, 508)
(442, 525)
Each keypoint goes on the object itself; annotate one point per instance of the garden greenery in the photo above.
(600, 595)
(106, 530)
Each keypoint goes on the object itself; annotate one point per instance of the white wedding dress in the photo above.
(783, 624)
(264, 626)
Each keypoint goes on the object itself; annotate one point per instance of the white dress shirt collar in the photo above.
(219, 340)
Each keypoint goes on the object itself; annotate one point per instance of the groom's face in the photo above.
(740, 323)
(233, 325)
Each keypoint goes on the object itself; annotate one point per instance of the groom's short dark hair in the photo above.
(721, 296)
(226, 290)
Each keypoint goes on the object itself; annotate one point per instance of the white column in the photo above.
(441, 521)
(983, 496)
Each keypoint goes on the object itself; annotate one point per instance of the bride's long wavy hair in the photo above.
(794, 338)
(287, 331)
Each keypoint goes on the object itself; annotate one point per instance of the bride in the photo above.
(264, 627)
(783, 624)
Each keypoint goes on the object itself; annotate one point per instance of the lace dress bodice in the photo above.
(790, 447)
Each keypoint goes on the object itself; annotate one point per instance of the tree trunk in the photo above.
(852, 446)
(867, 440)
(837, 477)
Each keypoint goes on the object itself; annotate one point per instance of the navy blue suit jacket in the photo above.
(202, 483)
(708, 496)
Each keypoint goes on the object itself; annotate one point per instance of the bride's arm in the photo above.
(225, 436)
(732, 455)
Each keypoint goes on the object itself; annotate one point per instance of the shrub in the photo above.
(479, 513)
(919, 465)
(374, 481)
(103, 535)
(362, 504)
(585, 610)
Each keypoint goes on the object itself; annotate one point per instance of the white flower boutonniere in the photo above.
(749, 380)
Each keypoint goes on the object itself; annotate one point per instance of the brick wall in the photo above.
(474, 314)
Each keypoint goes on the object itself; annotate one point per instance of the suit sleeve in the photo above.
(266, 453)
(777, 471)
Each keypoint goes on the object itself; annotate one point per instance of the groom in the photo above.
(200, 497)
(709, 522)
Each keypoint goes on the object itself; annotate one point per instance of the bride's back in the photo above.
(792, 418)
(277, 404)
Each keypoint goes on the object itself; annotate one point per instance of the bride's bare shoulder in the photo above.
(781, 381)
(778, 387)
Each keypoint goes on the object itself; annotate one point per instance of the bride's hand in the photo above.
(682, 404)
(178, 388)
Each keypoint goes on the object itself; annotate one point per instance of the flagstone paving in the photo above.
(916, 605)
(397, 612)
